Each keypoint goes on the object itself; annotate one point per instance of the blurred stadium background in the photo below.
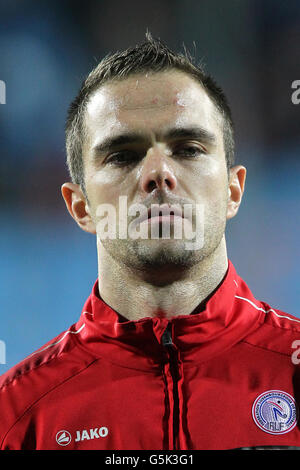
(48, 265)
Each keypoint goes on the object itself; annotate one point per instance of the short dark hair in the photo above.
(150, 56)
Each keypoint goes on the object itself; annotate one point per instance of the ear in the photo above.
(78, 207)
(237, 178)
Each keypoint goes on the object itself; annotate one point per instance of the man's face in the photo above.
(155, 139)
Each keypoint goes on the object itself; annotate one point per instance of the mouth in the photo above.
(163, 213)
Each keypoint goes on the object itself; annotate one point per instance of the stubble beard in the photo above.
(168, 254)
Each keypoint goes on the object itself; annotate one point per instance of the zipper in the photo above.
(172, 355)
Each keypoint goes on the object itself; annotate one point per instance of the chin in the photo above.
(164, 253)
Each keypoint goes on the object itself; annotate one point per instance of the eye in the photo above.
(122, 158)
(190, 150)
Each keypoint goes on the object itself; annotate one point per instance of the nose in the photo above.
(157, 172)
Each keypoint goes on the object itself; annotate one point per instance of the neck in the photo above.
(134, 295)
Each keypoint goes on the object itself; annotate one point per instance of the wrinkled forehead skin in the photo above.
(150, 103)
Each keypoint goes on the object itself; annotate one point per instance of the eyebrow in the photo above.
(195, 133)
(111, 143)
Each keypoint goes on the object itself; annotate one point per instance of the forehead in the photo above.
(150, 103)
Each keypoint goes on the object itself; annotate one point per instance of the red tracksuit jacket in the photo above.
(223, 378)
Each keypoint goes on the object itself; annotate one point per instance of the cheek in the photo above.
(101, 189)
(106, 187)
(209, 180)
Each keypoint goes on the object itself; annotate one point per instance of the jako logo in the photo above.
(63, 438)
(94, 433)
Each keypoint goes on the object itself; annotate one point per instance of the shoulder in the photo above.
(53, 350)
(42, 371)
(278, 332)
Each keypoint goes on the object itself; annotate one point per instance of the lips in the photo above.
(162, 212)
(165, 211)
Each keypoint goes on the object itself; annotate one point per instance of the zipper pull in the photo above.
(166, 338)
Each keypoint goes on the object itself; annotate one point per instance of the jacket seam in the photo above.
(265, 348)
(24, 373)
(272, 325)
(155, 369)
(41, 397)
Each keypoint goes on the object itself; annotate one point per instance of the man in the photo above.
(172, 350)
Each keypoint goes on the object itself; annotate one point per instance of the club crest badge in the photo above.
(275, 412)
